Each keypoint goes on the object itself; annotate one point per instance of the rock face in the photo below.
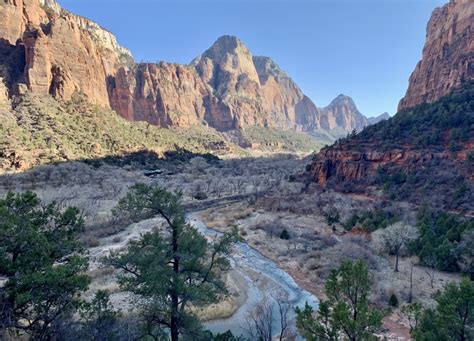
(55, 52)
(376, 119)
(350, 165)
(401, 154)
(49, 50)
(448, 54)
(343, 113)
(226, 88)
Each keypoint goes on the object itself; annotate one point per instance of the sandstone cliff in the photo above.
(343, 113)
(448, 54)
(226, 88)
(50, 51)
(55, 52)
(425, 152)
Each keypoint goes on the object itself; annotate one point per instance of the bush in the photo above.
(393, 300)
(285, 235)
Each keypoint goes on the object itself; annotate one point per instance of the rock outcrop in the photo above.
(448, 54)
(56, 52)
(347, 165)
(420, 154)
(226, 88)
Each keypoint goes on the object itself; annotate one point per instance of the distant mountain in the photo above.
(377, 119)
(50, 51)
(343, 113)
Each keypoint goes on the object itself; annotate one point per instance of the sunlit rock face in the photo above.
(447, 64)
(48, 50)
(59, 53)
(448, 54)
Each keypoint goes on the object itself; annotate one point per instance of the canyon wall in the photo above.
(447, 64)
(48, 50)
(448, 55)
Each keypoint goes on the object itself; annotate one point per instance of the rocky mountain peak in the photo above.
(343, 101)
(377, 119)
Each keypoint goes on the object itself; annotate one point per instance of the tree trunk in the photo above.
(397, 253)
(174, 325)
(410, 297)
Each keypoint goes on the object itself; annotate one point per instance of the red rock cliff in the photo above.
(448, 54)
(56, 52)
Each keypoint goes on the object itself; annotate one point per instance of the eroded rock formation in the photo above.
(447, 64)
(56, 52)
(49, 50)
(448, 54)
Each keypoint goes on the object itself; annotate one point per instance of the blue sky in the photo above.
(366, 49)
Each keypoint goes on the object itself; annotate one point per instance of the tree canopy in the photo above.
(173, 268)
(42, 261)
(346, 314)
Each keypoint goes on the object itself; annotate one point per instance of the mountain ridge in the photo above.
(58, 53)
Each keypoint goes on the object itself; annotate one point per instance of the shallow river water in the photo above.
(259, 277)
(270, 279)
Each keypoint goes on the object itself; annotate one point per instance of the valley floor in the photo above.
(261, 198)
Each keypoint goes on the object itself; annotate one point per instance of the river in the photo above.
(270, 279)
(260, 276)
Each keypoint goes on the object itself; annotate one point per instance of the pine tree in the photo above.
(42, 261)
(172, 269)
(346, 314)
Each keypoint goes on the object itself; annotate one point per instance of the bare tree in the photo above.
(283, 310)
(396, 238)
(260, 321)
(430, 261)
(410, 297)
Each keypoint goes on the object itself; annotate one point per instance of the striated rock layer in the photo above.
(48, 50)
(55, 52)
(448, 54)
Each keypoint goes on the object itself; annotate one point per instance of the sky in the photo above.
(365, 49)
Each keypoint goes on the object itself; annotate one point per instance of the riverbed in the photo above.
(257, 277)
(263, 279)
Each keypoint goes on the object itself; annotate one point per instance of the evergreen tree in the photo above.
(346, 314)
(453, 318)
(172, 269)
(42, 261)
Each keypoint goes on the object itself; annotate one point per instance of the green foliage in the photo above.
(173, 269)
(425, 135)
(100, 319)
(272, 139)
(439, 237)
(453, 318)
(449, 120)
(413, 313)
(43, 130)
(371, 220)
(393, 300)
(285, 234)
(346, 314)
(42, 261)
